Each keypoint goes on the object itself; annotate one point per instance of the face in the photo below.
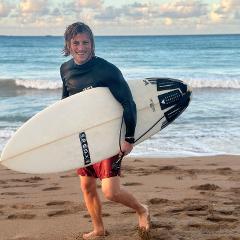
(81, 48)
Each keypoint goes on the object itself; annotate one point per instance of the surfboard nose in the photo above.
(184, 99)
(174, 97)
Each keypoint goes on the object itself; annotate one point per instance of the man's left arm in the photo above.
(121, 91)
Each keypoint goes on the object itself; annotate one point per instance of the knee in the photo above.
(110, 194)
(88, 188)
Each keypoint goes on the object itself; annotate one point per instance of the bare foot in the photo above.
(144, 219)
(94, 235)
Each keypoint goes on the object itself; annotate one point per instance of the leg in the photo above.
(114, 192)
(93, 204)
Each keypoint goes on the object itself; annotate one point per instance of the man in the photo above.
(82, 72)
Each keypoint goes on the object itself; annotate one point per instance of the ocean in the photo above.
(30, 81)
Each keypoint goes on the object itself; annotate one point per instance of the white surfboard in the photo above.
(84, 128)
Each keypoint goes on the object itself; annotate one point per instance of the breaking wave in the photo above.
(20, 84)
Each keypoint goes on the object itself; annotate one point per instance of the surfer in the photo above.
(84, 71)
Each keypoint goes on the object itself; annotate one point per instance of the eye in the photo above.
(75, 43)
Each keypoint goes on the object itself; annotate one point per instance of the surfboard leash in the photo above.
(116, 165)
(120, 133)
(149, 129)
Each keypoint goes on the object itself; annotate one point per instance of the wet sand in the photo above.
(195, 198)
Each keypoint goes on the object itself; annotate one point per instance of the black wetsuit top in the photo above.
(99, 73)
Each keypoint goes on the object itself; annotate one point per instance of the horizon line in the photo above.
(128, 35)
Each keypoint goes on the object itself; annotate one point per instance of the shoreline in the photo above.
(189, 198)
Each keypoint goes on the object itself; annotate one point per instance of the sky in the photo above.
(120, 17)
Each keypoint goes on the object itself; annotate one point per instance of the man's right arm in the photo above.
(64, 92)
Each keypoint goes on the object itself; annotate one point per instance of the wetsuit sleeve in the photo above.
(121, 91)
(65, 92)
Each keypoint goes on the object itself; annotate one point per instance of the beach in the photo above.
(188, 198)
(188, 174)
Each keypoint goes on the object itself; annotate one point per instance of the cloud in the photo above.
(93, 4)
(37, 13)
(168, 21)
(76, 6)
(150, 11)
(136, 10)
(225, 10)
(33, 7)
(5, 9)
(56, 12)
(226, 6)
(139, 17)
(108, 14)
(183, 9)
(129, 12)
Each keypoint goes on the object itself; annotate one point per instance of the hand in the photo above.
(126, 148)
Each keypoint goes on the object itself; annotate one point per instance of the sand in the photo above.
(189, 198)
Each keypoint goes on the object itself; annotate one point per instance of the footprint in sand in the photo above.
(22, 206)
(221, 219)
(205, 226)
(21, 216)
(196, 207)
(132, 184)
(153, 166)
(191, 210)
(69, 176)
(58, 203)
(169, 168)
(237, 208)
(226, 212)
(130, 211)
(235, 190)
(16, 186)
(11, 193)
(232, 203)
(2, 182)
(156, 224)
(51, 189)
(211, 164)
(60, 213)
(224, 171)
(197, 214)
(106, 215)
(158, 200)
(72, 209)
(206, 187)
(34, 179)
(137, 160)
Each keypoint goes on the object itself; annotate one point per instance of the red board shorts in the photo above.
(107, 168)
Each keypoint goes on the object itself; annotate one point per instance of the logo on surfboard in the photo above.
(85, 149)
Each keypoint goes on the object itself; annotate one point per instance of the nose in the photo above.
(80, 47)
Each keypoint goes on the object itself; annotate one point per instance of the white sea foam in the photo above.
(231, 84)
(6, 133)
(194, 83)
(38, 84)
